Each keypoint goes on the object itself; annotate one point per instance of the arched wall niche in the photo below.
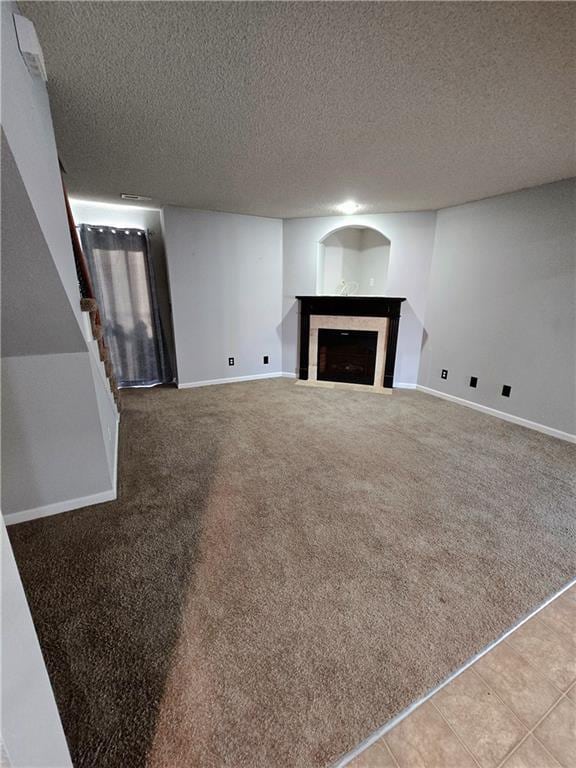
(353, 260)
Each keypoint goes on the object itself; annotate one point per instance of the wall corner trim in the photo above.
(551, 431)
(12, 518)
(115, 465)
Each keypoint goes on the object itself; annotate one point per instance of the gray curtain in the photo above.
(123, 278)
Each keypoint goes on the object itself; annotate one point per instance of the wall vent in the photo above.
(126, 196)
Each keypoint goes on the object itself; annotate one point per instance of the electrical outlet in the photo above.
(444, 374)
(506, 389)
(230, 361)
(266, 360)
(371, 283)
(474, 381)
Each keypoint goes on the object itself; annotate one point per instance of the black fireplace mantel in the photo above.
(358, 306)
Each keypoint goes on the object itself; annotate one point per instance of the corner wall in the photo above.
(59, 421)
(32, 735)
(502, 304)
(225, 282)
(27, 123)
(411, 238)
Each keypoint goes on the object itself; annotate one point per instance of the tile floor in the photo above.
(513, 708)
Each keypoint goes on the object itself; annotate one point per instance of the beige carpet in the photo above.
(287, 568)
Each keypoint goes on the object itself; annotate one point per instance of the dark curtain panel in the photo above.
(123, 280)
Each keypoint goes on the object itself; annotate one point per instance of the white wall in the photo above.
(27, 123)
(411, 236)
(32, 735)
(225, 280)
(501, 295)
(37, 316)
(502, 304)
(48, 353)
(53, 447)
(373, 276)
(339, 259)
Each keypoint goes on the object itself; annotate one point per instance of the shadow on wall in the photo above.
(290, 335)
(411, 327)
(106, 584)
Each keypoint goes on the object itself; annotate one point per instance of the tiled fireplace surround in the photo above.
(350, 313)
(349, 323)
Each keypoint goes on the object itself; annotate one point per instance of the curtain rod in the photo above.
(102, 227)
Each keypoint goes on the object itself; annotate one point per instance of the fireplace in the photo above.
(349, 339)
(347, 356)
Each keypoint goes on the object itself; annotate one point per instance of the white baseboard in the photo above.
(570, 438)
(233, 379)
(11, 518)
(60, 506)
(115, 464)
(404, 385)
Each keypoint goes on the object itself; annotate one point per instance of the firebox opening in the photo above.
(347, 356)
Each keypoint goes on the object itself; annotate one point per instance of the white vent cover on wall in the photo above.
(126, 196)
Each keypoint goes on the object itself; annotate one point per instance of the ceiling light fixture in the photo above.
(348, 207)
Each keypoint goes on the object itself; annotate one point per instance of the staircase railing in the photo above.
(88, 302)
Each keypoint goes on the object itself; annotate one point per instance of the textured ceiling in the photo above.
(286, 109)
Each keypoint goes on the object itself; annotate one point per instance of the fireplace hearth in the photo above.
(347, 356)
